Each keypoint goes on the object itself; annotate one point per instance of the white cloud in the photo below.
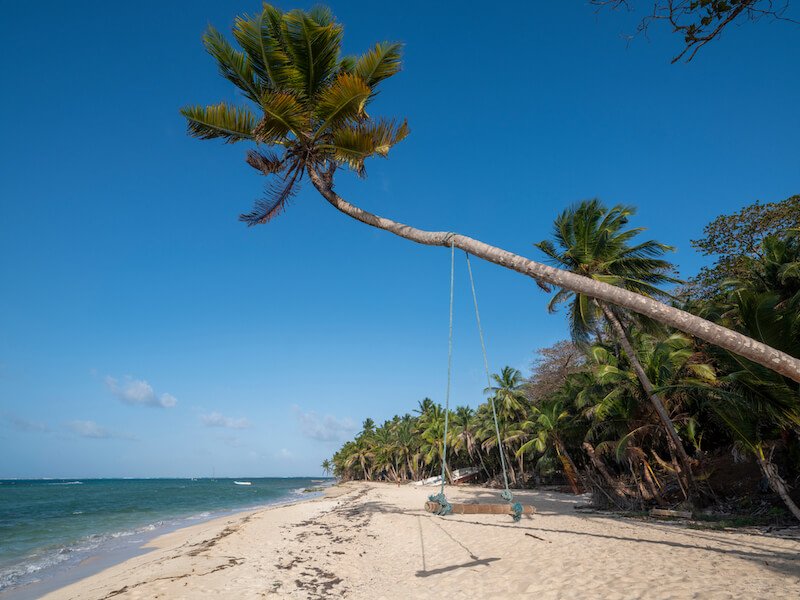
(325, 428)
(90, 429)
(139, 392)
(216, 419)
(20, 424)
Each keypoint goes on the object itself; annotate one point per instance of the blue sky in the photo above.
(145, 332)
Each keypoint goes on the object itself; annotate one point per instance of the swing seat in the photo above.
(480, 509)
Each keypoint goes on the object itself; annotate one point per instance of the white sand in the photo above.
(374, 541)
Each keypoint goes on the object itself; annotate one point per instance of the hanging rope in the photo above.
(444, 505)
(506, 495)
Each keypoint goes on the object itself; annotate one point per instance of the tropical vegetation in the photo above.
(586, 416)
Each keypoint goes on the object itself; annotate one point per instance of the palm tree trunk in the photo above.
(509, 465)
(776, 482)
(760, 353)
(570, 470)
(616, 485)
(648, 479)
(658, 404)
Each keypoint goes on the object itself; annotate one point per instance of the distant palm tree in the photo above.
(547, 424)
(508, 392)
(466, 434)
(367, 427)
(361, 454)
(327, 467)
(310, 108)
(595, 242)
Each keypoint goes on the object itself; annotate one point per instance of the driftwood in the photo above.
(480, 509)
(662, 512)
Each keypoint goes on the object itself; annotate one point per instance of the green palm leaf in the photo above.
(233, 65)
(343, 100)
(283, 114)
(262, 38)
(220, 120)
(379, 63)
(313, 48)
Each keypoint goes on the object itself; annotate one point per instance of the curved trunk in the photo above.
(615, 484)
(778, 361)
(570, 470)
(655, 399)
(776, 482)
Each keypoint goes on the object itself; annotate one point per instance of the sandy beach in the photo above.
(375, 541)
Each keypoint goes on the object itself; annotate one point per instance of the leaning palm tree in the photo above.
(595, 241)
(327, 467)
(361, 454)
(310, 110)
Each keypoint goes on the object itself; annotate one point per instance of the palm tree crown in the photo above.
(311, 100)
(592, 240)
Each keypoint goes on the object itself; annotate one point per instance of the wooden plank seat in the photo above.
(480, 509)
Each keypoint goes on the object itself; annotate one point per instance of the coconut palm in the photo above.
(548, 421)
(360, 453)
(308, 105)
(510, 436)
(465, 427)
(433, 439)
(749, 423)
(327, 467)
(508, 392)
(595, 241)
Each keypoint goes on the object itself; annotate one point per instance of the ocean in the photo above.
(50, 527)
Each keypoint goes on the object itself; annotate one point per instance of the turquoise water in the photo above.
(47, 526)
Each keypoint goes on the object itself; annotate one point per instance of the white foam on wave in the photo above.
(199, 516)
(66, 483)
(50, 558)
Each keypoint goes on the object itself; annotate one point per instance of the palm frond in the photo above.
(352, 145)
(282, 114)
(219, 121)
(268, 164)
(314, 49)
(278, 194)
(386, 133)
(379, 63)
(343, 100)
(262, 39)
(233, 64)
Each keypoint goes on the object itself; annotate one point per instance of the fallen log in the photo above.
(663, 512)
(480, 509)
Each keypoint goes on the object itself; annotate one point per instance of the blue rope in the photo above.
(444, 505)
(445, 508)
(506, 495)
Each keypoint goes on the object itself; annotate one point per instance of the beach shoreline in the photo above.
(107, 556)
(370, 540)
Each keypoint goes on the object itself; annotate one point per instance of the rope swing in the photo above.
(438, 503)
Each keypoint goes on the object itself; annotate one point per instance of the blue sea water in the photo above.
(48, 526)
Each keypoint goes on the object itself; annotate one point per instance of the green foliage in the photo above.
(737, 239)
(594, 241)
(311, 100)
